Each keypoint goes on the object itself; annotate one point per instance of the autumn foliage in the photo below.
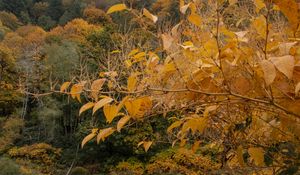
(234, 88)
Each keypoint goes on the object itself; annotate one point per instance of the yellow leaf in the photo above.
(96, 87)
(208, 110)
(133, 52)
(284, 48)
(121, 104)
(116, 8)
(110, 112)
(257, 154)
(104, 133)
(131, 83)
(231, 2)
(85, 107)
(64, 86)
(169, 67)
(259, 5)
(101, 103)
(195, 19)
(89, 137)
(297, 89)
(139, 57)
(122, 122)
(290, 9)
(174, 125)
(269, 71)
(184, 8)
(140, 143)
(167, 41)
(76, 90)
(239, 154)
(195, 146)
(137, 107)
(147, 145)
(260, 25)
(150, 16)
(284, 64)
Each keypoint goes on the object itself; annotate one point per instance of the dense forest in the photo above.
(134, 87)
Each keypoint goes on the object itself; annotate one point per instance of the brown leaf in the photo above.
(269, 71)
(284, 64)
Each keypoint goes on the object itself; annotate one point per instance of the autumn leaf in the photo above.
(257, 154)
(89, 137)
(150, 15)
(240, 157)
(122, 122)
(85, 107)
(269, 71)
(96, 87)
(131, 83)
(110, 112)
(101, 103)
(76, 90)
(208, 110)
(259, 5)
(284, 64)
(195, 19)
(196, 146)
(184, 8)
(291, 10)
(297, 89)
(260, 25)
(64, 86)
(145, 144)
(174, 125)
(116, 8)
(104, 133)
(167, 41)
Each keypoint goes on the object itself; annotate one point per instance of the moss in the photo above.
(80, 171)
(9, 167)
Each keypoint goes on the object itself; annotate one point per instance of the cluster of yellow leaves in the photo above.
(218, 74)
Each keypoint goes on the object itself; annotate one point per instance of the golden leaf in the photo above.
(284, 64)
(64, 86)
(260, 25)
(167, 41)
(290, 9)
(110, 112)
(240, 157)
(122, 122)
(208, 110)
(96, 87)
(116, 8)
(195, 146)
(184, 8)
(76, 90)
(297, 89)
(89, 137)
(174, 125)
(101, 103)
(259, 5)
(147, 145)
(133, 52)
(140, 143)
(131, 82)
(104, 133)
(150, 16)
(195, 19)
(85, 107)
(257, 154)
(269, 71)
